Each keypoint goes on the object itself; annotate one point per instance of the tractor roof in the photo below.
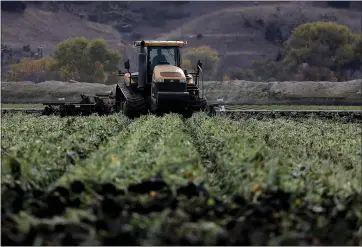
(160, 43)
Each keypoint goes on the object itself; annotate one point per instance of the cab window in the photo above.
(162, 55)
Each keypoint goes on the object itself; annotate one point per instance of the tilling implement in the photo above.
(160, 86)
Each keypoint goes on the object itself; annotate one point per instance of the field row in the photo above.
(169, 180)
(237, 107)
(294, 107)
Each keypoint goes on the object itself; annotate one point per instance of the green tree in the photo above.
(208, 56)
(324, 45)
(84, 60)
(315, 51)
(357, 47)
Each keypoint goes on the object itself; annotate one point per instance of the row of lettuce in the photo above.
(231, 156)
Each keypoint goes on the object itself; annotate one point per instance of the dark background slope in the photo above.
(240, 31)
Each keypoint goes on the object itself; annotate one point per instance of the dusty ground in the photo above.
(231, 91)
(304, 92)
(28, 92)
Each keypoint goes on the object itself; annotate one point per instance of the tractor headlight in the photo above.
(183, 81)
(159, 80)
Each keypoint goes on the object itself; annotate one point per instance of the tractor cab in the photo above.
(160, 62)
(160, 53)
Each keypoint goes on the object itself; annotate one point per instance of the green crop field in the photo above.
(174, 181)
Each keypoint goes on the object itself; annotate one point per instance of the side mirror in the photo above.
(199, 65)
(126, 64)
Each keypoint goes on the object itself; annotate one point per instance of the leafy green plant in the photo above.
(141, 150)
(47, 146)
(158, 180)
(267, 153)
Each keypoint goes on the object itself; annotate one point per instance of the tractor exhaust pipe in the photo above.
(142, 67)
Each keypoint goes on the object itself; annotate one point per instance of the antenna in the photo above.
(182, 30)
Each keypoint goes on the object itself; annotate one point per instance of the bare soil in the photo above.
(286, 92)
(231, 91)
(29, 92)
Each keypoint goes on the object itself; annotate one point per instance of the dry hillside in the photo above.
(240, 31)
(256, 32)
(36, 27)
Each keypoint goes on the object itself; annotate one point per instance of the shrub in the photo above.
(314, 73)
(357, 47)
(187, 64)
(208, 56)
(226, 78)
(241, 74)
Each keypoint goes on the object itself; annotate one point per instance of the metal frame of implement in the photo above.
(104, 104)
(90, 106)
(101, 104)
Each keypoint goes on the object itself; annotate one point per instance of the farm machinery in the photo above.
(160, 86)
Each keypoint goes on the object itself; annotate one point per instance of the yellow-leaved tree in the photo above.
(30, 68)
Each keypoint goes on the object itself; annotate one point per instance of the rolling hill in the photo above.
(239, 31)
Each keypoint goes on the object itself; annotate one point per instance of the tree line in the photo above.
(315, 51)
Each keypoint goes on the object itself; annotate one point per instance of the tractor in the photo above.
(161, 85)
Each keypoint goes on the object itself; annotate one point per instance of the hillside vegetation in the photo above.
(239, 31)
(315, 51)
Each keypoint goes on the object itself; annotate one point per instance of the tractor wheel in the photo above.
(128, 111)
(187, 113)
(48, 110)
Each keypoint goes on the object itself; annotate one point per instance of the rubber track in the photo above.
(135, 101)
